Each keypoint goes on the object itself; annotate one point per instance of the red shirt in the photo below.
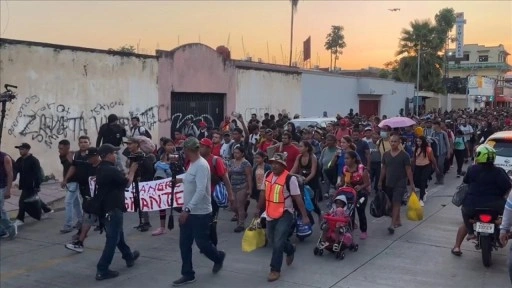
(219, 170)
(292, 153)
(265, 144)
(216, 149)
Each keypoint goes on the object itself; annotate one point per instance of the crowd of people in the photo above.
(263, 160)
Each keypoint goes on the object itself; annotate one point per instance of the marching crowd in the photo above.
(262, 160)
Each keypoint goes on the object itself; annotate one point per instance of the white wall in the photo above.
(64, 93)
(263, 92)
(328, 92)
(393, 93)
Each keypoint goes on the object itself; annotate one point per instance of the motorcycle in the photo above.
(486, 224)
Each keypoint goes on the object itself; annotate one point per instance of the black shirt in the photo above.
(146, 170)
(82, 167)
(66, 164)
(111, 184)
(111, 134)
(30, 173)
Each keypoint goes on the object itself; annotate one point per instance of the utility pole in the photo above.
(418, 82)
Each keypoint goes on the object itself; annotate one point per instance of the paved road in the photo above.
(418, 255)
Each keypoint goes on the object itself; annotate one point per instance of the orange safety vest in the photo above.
(274, 195)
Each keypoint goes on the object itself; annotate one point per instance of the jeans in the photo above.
(26, 194)
(375, 174)
(114, 238)
(72, 204)
(459, 158)
(5, 223)
(197, 227)
(421, 175)
(278, 231)
(440, 166)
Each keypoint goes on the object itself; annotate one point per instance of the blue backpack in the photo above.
(307, 198)
(220, 192)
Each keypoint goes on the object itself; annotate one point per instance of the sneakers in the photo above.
(144, 227)
(422, 204)
(239, 228)
(183, 281)
(66, 230)
(18, 223)
(45, 215)
(425, 197)
(76, 246)
(218, 266)
(107, 275)
(273, 276)
(363, 236)
(131, 262)
(158, 231)
(11, 233)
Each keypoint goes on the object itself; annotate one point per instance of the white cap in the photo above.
(341, 198)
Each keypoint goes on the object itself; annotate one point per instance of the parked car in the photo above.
(502, 143)
(316, 122)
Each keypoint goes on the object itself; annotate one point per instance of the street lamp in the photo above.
(418, 82)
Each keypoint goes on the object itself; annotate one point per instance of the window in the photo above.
(483, 58)
(503, 147)
(465, 57)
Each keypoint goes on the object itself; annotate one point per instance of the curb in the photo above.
(13, 213)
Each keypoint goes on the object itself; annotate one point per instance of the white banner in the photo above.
(154, 195)
(481, 86)
(459, 26)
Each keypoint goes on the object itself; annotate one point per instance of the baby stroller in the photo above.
(337, 232)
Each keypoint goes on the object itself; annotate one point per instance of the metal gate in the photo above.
(197, 107)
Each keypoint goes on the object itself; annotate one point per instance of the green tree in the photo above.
(335, 42)
(125, 49)
(294, 3)
(429, 40)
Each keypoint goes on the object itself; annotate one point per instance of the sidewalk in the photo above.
(50, 193)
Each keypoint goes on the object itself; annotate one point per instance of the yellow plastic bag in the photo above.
(254, 237)
(414, 209)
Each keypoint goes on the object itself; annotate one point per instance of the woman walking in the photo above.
(424, 163)
(460, 151)
(259, 170)
(240, 175)
(355, 175)
(306, 165)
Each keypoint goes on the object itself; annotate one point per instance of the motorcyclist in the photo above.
(488, 186)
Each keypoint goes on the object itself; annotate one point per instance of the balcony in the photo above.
(481, 65)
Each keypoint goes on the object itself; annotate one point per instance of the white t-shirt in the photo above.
(468, 130)
(197, 187)
(138, 131)
(225, 152)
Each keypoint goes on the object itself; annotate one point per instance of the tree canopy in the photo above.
(335, 42)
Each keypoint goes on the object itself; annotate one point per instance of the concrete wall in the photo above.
(338, 94)
(193, 68)
(328, 92)
(65, 92)
(261, 92)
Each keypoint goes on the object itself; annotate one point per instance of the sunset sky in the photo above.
(371, 31)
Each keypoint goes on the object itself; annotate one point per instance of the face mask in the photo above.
(383, 134)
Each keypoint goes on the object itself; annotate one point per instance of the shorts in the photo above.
(396, 194)
(90, 219)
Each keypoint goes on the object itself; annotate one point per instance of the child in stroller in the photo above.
(337, 225)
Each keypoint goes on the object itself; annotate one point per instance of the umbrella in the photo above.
(397, 122)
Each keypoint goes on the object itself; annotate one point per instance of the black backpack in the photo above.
(146, 133)
(380, 205)
(114, 134)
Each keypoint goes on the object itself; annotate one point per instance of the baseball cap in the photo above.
(269, 131)
(191, 143)
(368, 129)
(107, 149)
(23, 146)
(202, 124)
(92, 151)
(206, 142)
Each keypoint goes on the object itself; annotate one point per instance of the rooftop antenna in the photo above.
(243, 47)
(227, 44)
(268, 53)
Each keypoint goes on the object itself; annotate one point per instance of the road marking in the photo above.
(41, 266)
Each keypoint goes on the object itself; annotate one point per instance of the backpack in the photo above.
(380, 205)
(114, 134)
(220, 192)
(434, 145)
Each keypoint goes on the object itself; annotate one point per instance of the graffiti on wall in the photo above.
(49, 122)
(178, 121)
(260, 112)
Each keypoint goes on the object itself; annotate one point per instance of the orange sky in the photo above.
(371, 31)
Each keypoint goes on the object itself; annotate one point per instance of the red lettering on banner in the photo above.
(178, 198)
(160, 187)
(129, 204)
(150, 188)
(144, 204)
(142, 189)
(168, 185)
(155, 202)
(167, 198)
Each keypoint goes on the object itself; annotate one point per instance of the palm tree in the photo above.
(294, 3)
